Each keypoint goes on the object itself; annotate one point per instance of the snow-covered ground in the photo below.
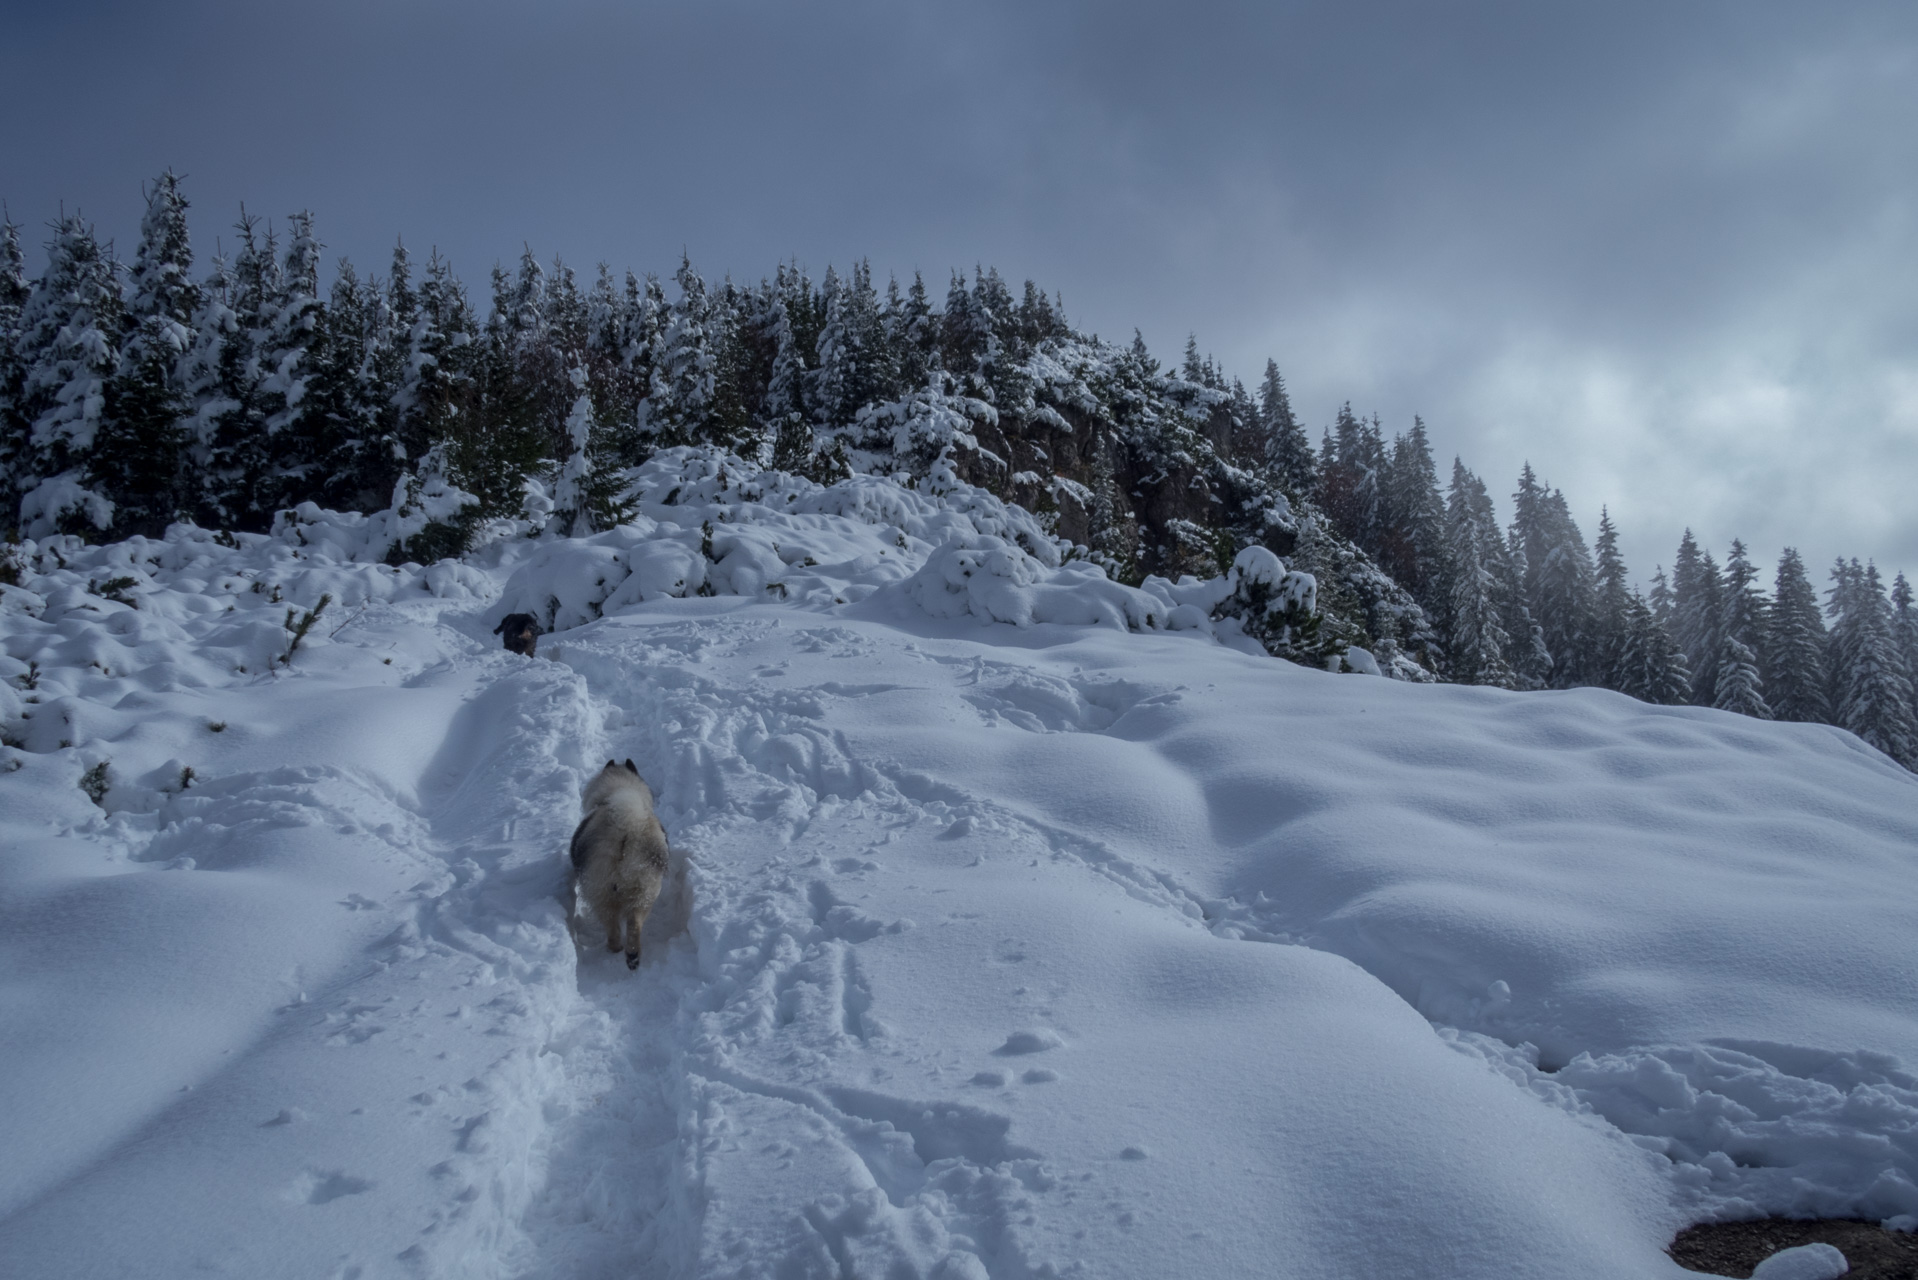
(1094, 946)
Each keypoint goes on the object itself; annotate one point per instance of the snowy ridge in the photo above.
(1002, 950)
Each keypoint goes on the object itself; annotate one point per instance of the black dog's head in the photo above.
(520, 631)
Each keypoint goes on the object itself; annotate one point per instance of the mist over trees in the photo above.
(136, 394)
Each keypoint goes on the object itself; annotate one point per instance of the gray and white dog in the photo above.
(619, 856)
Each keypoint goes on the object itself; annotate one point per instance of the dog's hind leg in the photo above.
(638, 907)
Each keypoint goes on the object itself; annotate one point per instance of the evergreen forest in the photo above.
(135, 394)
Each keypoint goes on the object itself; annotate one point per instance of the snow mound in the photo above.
(1806, 1262)
(711, 524)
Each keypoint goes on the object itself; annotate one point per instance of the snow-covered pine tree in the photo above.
(1793, 660)
(1348, 489)
(1742, 628)
(837, 393)
(1659, 598)
(968, 347)
(737, 376)
(13, 421)
(1650, 666)
(440, 384)
(1558, 578)
(293, 328)
(587, 494)
(1476, 640)
(1248, 433)
(1001, 369)
(345, 418)
(680, 399)
(913, 336)
(618, 378)
(1530, 656)
(1289, 460)
(139, 458)
(393, 360)
(1747, 612)
(1738, 687)
(1698, 615)
(785, 418)
(1611, 607)
(1904, 630)
(506, 441)
(1873, 689)
(237, 461)
(70, 347)
(1414, 548)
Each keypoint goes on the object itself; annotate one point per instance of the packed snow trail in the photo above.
(902, 1059)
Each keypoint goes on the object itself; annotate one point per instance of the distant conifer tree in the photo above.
(141, 456)
(1793, 661)
(14, 425)
(1872, 687)
(70, 349)
(1289, 459)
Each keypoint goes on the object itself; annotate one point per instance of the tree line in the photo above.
(133, 395)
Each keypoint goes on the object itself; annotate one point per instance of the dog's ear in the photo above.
(501, 627)
(611, 765)
(634, 769)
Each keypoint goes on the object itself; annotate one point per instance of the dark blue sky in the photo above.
(1668, 252)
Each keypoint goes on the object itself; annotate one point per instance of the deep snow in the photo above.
(1006, 950)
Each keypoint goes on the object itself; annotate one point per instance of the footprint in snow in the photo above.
(323, 1186)
(1023, 1042)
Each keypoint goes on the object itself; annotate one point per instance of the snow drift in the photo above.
(1038, 925)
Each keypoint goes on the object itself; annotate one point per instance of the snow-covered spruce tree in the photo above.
(13, 421)
(679, 403)
(140, 454)
(1746, 611)
(1611, 606)
(738, 373)
(347, 421)
(1904, 631)
(1872, 686)
(1477, 640)
(613, 358)
(586, 495)
(70, 348)
(852, 368)
(520, 398)
(1558, 579)
(1659, 598)
(1698, 615)
(292, 317)
(238, 467)
(1738, 687)
(1742, 628)
(1650, 667)
(1287, 456)
(912, 334)
(1413, 547)
(1348, 492)
(1793, 661)
(784, 415)
(438, 397)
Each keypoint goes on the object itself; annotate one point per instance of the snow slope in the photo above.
(1008, 951)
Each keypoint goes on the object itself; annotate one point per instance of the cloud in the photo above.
(1666, 252)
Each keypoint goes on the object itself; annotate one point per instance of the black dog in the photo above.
(520, 631)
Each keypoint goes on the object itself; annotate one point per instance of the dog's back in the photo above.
(619, 855)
